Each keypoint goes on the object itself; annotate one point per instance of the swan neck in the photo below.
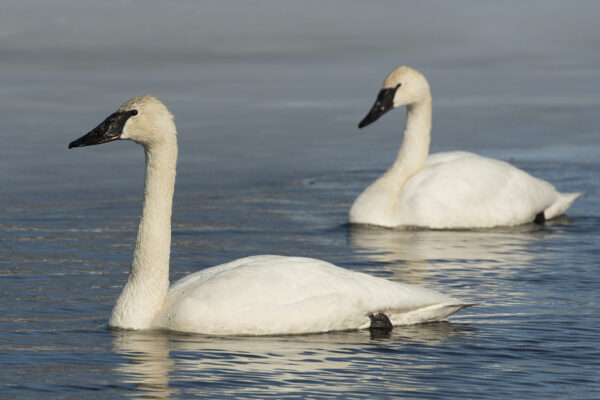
(378, 203)
(414, 150)
(146, 289)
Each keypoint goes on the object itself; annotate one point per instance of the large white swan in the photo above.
(250, 296)
(446, 190)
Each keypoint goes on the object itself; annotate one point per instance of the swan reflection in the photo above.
(148, 362)
(413, 255)
(162, 364)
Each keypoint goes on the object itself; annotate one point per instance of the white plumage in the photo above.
(446, 190)
(251, 296)
(280, 295)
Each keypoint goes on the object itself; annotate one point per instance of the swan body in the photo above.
(259, 295)
(451, 189)
(280, 295)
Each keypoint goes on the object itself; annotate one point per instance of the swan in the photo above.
(257, 295)
(451, 189)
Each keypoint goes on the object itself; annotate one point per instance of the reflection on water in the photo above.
(199, 365)
(536, 287)
(411, 254)
(148, 364)
(263, 103)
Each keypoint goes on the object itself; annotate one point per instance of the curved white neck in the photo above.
(414, 150)
(145, 292)
(378, 203)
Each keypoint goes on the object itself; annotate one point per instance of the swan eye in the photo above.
(134, 112)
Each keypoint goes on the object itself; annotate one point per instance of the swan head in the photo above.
(404, 86)
(142, 119)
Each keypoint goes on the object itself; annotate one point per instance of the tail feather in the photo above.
(432, 313)
(561, 205)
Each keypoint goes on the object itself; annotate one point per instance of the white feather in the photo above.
(250, 296)
(449, 190)
(280, 295)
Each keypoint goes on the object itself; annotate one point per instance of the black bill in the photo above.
(110, 129)
(383, 104)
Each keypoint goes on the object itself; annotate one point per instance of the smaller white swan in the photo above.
(451, 189)
(251, 296)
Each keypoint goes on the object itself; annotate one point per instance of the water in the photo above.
(267, 96)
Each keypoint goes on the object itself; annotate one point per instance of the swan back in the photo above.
(282, 295)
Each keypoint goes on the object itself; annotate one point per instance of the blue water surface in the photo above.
(266, 97)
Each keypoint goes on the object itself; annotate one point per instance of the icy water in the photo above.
(267, 96)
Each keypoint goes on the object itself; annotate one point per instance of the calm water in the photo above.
(267, 96)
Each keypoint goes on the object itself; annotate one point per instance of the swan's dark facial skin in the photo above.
(110, 129)
(383, 104)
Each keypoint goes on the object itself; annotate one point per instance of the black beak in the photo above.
(383, 104)
(110, 129)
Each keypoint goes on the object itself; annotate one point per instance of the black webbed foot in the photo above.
(380, 322)
(540, 218)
